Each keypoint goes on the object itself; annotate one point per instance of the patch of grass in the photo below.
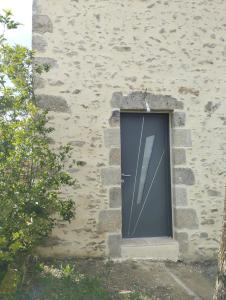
(59, 283)
(2, 274)
(3, 269)
(135, 296)
(62, 281)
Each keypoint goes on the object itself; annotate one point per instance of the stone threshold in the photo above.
(157, 248)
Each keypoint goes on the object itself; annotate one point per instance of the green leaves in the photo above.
(39, 69)
(32, 175)
(7, 20)
(66, 210)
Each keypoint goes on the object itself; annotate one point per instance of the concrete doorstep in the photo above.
(165, 249)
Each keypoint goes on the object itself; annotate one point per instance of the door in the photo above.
(146, 184)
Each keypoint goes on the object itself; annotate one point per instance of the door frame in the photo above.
(169, 113)
(109, 220)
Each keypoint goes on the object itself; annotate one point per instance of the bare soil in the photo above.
(156, 280)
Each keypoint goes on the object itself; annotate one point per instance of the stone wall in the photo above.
(104, 55)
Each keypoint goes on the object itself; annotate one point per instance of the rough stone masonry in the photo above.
(104, 55)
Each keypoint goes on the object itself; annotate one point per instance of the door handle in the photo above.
(126, 175)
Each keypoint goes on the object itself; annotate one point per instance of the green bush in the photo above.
(31, 173)
(53, 282)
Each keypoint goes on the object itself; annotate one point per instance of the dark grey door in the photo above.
(146, 188)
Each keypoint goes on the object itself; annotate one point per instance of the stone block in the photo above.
(122, 48)
(208, 222)
(114, 120)
(38, 82)
(56, 83)
(135, 100)
(111, 176)
(184, 176)
(186, 218)
(180, 194)
(210, 108)
(182, 138)
(187, 90)
(116, 99)
(179, 118)
(52, 241)
(41, 24)
(179, 156)
(39, 43)
(110, 220)
(114, 245)
(115, 156)
(112, 137)
(213, 193)
(36, 7)
(164, 102)
(115, 200)
(45, 60)
(77, 143)
(52, 103)
(182, 238)
(204, 235)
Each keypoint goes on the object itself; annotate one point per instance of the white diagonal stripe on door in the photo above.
(138, 219)
(145, 163)
(135, 179)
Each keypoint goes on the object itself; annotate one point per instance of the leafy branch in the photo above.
(32, 175)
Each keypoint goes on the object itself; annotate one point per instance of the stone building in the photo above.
(152, 73)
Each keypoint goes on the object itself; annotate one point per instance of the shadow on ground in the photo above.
(157, 280)
(95, 279)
